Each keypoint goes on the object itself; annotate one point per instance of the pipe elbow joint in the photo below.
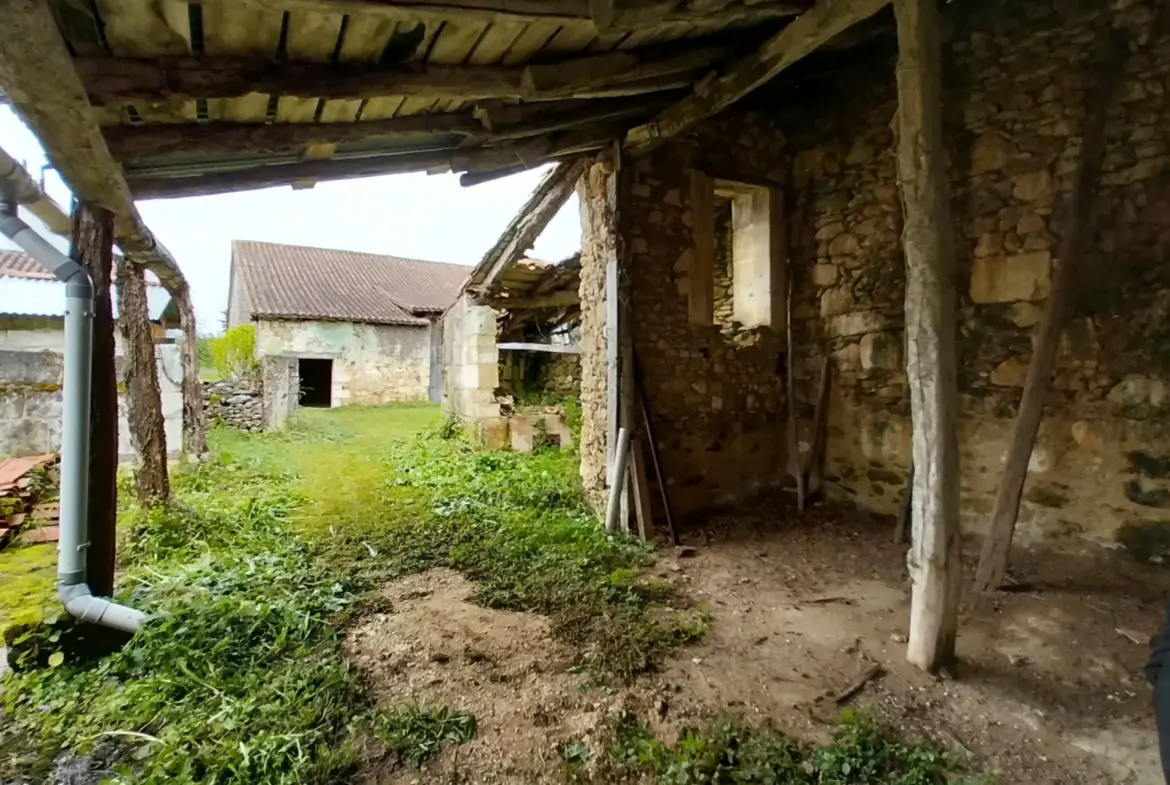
(84, 606)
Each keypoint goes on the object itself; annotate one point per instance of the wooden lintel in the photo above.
(37, 73)
(118, 80)
(626, 16)
(550, 195)
(805, 34)
(540, 347)
(554, 300)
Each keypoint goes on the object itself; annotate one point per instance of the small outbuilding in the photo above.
(363, 328)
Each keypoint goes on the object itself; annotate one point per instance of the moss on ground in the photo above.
(27, 579)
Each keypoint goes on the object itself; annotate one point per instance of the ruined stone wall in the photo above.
(540, 376)
(594, 236)
(372, 363)
(1015, 78)
(714, 392)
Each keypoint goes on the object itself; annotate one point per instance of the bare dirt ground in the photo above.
(1047, 690)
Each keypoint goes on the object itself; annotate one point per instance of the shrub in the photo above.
(234, 353)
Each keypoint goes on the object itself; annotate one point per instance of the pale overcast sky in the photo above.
(414, 215)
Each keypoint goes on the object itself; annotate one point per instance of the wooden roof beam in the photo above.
(137, 146)
(37, 73)
(802, 36)
(118, 80)
(30, 194)
(531, 153)
(626, 15)
(548, 198)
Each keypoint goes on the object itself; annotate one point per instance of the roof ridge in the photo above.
(394, 257)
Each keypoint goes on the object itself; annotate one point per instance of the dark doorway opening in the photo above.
(316, 382)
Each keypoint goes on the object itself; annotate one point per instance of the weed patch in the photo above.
(728, 750)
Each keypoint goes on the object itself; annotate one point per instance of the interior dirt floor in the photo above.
(1048, 687)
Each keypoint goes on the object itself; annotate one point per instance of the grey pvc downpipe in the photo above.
(72, 588)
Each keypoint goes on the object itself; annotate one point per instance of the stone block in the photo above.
(991, 153)
(823, 275)
(1025, 276)
(493, 433)
(881, 351)
(857, 323)
(44, 367)
(1024, 314)
(1010, 373)
(1035, 187)
(844, 245)
(836, 301)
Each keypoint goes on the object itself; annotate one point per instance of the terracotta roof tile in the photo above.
(295, 282)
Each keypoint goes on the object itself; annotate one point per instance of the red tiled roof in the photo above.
(17, 264)
(295, 282)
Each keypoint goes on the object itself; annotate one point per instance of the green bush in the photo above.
(233, 354)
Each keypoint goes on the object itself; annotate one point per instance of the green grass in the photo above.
(728, 750)
(269, 548)
(272, 547)
(27, 583)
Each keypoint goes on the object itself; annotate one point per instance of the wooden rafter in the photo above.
(30, 194)
(549, 196)
(36, 72)
(118, 80)
(137, 145)
(626, 15)
(528, 153)
(805, 34)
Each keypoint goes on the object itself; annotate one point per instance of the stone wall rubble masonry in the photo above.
(1015, 83)
(235, 404)
(372, 363)
(714, 392)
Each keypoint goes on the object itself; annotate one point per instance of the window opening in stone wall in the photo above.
(723, 298)
(316, 382)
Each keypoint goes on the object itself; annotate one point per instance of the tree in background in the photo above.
(233, 354)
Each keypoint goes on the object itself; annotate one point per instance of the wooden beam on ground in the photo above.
(37, 73)
(800, 38)
(550, 195)
(119, 80)
(1103, 79)
(143, 397)
(626, 16)
(935, 555)
(93, 249)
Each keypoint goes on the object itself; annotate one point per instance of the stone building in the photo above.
(32, 349)
(363, 328)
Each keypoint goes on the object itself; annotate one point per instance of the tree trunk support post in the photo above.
(93, 249)
(194, 418)
(935, 556)
(1105, 75)
(143, 398)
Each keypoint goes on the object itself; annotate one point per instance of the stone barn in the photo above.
(363, 328)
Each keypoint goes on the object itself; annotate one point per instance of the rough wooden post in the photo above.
(194, 418)
(143, 398)
(93, 248)
(935, 555)
(1103, 79)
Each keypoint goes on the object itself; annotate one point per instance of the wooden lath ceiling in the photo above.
(227, 94)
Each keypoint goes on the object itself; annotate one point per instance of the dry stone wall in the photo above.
(714, 392)
(234, 404)
(1015, 79)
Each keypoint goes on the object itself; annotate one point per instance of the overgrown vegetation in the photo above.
(233, 354)
(249, 577)
(728, 750)
(268, 553)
